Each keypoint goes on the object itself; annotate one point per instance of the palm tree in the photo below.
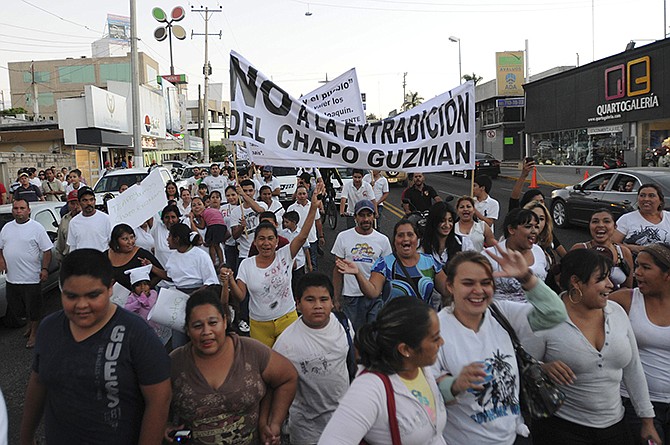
(473, 77)
(411, 100)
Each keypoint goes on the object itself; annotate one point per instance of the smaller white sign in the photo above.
(120, 294)
(605, 130)
(490, 134)
(340, 99)
(105, 110)
(140, 202)
(170, 309)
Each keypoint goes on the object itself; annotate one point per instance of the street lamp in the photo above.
(460, 73)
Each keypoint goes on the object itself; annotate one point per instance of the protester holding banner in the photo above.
(244, 217)
(267, 278)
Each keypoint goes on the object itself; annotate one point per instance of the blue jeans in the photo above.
(361, 310)
(661, 420)
(313, 253)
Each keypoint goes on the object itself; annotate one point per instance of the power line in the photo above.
(41, 40)
(45, 32)
(59, 17)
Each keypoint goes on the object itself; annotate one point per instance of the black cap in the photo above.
(84, 191)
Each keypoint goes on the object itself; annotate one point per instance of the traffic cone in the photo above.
(533, 179)
(586, 174)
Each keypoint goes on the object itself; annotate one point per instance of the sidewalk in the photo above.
(553, 175)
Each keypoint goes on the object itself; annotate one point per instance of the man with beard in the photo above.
(362, 245)
(91, 228)
(22, 241)
(73, 208)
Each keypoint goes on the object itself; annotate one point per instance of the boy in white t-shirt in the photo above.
(302, 263)
(319, 348)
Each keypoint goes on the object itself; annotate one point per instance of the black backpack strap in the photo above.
(411, 282)
(500, 318)
(351, 355)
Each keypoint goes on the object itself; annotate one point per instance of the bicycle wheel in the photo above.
(331, 215)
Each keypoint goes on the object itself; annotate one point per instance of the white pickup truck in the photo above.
(112, 180)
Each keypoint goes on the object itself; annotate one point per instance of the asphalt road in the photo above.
(16, 360)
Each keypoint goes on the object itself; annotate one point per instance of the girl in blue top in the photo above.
(406, 272)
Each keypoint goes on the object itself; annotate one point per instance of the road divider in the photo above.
(400, 213)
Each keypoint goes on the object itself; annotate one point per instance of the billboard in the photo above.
(119, 27)
(105, 110)
(510, 73)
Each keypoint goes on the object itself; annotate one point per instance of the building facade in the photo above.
(617, 107)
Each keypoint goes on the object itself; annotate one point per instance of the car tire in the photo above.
(559, 214)
(651, 164)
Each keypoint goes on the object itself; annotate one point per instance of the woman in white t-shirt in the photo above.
(648, 224)
(230, 246)
(274, 206)
(479, 232)
(267, 277)
(522, 228)
(476, 368)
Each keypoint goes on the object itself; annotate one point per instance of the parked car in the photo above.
(112, 180)
(48, 214)
(288, 180)
(396, 177)
(574, 205)
(485, 164)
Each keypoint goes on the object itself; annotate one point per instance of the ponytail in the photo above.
(402, 320)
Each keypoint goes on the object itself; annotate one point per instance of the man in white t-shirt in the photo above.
(302, 206)
(216, 181)
(362, 245)
(245, 218)
(355, 191)
(271, 181)
(317, 345)
(22, 242)
(380, 185)
(90, 229)
(486, 208)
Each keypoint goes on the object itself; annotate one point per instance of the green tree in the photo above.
(13, 111)
(473, 76)
(411, 100)
(370, 117)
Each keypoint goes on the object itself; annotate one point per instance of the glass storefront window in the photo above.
(575, 147)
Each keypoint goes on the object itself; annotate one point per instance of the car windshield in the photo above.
(112, 183)
(284, 171)
(5, 218)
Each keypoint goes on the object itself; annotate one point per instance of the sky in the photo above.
(382, 39)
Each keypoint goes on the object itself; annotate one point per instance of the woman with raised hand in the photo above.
(267, 278)
(477, 367)
(396, 350)
(648, 308)
(590, 354)
(405, 273)
(602, 228)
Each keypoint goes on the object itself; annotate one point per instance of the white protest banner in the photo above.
(140, 202)
(340, 99)
(119, 294)
(170, 309)
(438, 135)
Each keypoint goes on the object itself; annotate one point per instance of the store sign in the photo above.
(105, 110)
(605, 130)
(635, 76)
(510, 73)
(175, 79)
(519, 102)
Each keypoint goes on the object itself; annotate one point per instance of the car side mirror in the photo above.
(577, 187)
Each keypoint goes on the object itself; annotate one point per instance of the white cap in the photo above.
(139, 274)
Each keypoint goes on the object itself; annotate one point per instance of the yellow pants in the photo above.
(267, 331)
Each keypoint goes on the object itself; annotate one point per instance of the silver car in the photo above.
(47, 214)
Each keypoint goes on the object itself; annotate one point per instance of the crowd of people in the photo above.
(396, 344)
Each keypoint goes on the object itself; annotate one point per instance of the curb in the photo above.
(550, 184)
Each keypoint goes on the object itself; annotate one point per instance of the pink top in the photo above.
(141, 304)
(212, 216)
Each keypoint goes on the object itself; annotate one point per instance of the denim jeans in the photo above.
(361, 310)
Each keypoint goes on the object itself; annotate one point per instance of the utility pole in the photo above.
(36, 103)
(404, 84)
(138, 159)
(206, 71)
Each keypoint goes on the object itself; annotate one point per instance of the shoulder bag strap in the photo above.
(390, 406)
(407, 275)
(351, 355)
(500, 318)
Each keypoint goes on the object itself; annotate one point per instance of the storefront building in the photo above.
(618, 107)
